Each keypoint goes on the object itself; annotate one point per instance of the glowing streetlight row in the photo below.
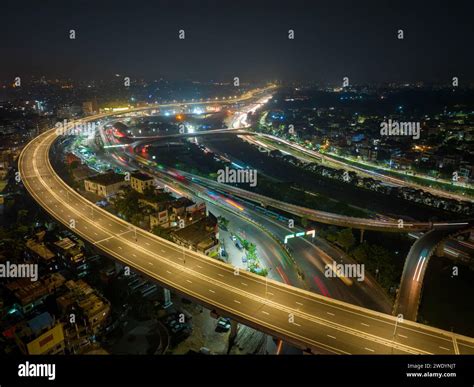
(300, 234)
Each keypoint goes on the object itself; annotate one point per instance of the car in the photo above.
(233, 237)
(244, 259)
(173, 323)
(223, 325)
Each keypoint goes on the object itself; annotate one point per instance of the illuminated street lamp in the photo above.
(399, 319)
(266, 283)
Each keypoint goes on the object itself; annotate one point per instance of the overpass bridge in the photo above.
(326, 217)
(146, 139)
(416, 263)
(305, 319)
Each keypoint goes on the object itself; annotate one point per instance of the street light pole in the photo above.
(399, 319)
(266, 283)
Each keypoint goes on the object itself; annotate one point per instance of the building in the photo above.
(69, 111)
(141, 181)
(158, 200)
(40, 252)
(92, 309)
(105, 184)
(160, 218)
(69, 251)
(41, 335)
(30, 294)
(199, 236)
(82, 172)
(180, 206)
(90, 107)
(72, 255)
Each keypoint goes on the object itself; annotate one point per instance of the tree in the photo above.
(128, 204)
(361, 253)
(22, 215)
(346, 239)
(223, 222)
(161, 232)
(304, 221)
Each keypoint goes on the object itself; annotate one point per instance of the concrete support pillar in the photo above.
(167, 298)
(233, 333)
(439, 252)
(361, 235)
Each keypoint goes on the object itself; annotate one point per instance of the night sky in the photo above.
(249, 39)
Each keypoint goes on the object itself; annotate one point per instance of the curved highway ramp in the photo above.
(302, 318)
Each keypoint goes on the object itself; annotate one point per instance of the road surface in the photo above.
(302, 318)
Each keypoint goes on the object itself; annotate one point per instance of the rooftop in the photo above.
(107, 178)
(141, 176)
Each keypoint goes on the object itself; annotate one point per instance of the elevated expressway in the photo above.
(302, 318)
(416, 264)
(327, 217)
(311, 214)
(311, 155)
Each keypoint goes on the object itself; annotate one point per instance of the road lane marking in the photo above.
(331, 314)
(163, 251)
(168, 272)
(405, 337)
(199, 266)
(332, 337)
(243, 283)
(271, 294)
(297, 324)
(238, 302)
(150, 263)
(446, 349)
(189, 281)
(299, 303)
(212, 291)
(147, 243)
(369, 349)
(120, 247)
(264, 312)
(219, 274)
(134, 255)
(364, 324)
